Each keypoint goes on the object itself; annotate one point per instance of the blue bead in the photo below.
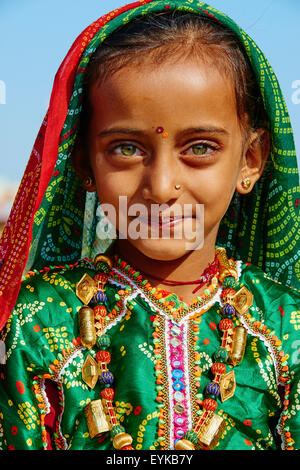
(106, 378)
(213, 389)
(229, 310)
(99, 297)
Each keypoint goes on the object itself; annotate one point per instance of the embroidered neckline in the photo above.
(170, 303)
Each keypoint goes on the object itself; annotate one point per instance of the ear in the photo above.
(256, 152)
(81, 165)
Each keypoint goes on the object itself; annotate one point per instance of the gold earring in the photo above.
(246, 183)
(88, 182)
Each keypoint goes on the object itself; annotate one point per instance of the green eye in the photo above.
(128, 150)
(199, 149)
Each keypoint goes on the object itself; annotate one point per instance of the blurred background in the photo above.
(35, 36)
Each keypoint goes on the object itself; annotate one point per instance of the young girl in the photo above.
(158, 342)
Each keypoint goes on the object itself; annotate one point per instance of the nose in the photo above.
(161, 177)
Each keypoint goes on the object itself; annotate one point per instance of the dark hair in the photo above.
(168, 36)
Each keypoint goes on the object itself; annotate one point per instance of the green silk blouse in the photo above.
(147, 344)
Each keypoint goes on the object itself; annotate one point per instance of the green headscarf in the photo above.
(260, 228)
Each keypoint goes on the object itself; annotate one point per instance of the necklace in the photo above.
(206, 276)
(93, 317)
(209, 426)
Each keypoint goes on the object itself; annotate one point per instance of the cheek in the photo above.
(210, 187)
(112, 183)
(107, 190)
(215, 188)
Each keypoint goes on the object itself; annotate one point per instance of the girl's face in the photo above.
(152, 129)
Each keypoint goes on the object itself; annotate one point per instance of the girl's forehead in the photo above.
(192, 89)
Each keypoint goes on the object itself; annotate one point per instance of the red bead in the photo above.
(107, 394)
(227, 292)
(226, 324)
(127, 448)
(209, 404)
(218, 368)
(103, 356)
(100, 310)
(100, 277)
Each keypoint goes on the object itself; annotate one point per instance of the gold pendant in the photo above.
(86, 288)
(96, 418)
(227, 386)
(90, 371)
(87, 327)
(238, 346)
(243, 300)
(211, 430)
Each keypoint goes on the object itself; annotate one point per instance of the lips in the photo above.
(170, 220)
(163, 220)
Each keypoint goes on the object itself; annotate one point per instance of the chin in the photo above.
(163, 250)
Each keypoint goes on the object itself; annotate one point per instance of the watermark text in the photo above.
(2, 92)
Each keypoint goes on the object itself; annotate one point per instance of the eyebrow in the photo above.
(200, 130)
(120, 130)
(191, 130)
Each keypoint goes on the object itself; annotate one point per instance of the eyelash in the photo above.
(128, 144)
(211, 149)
